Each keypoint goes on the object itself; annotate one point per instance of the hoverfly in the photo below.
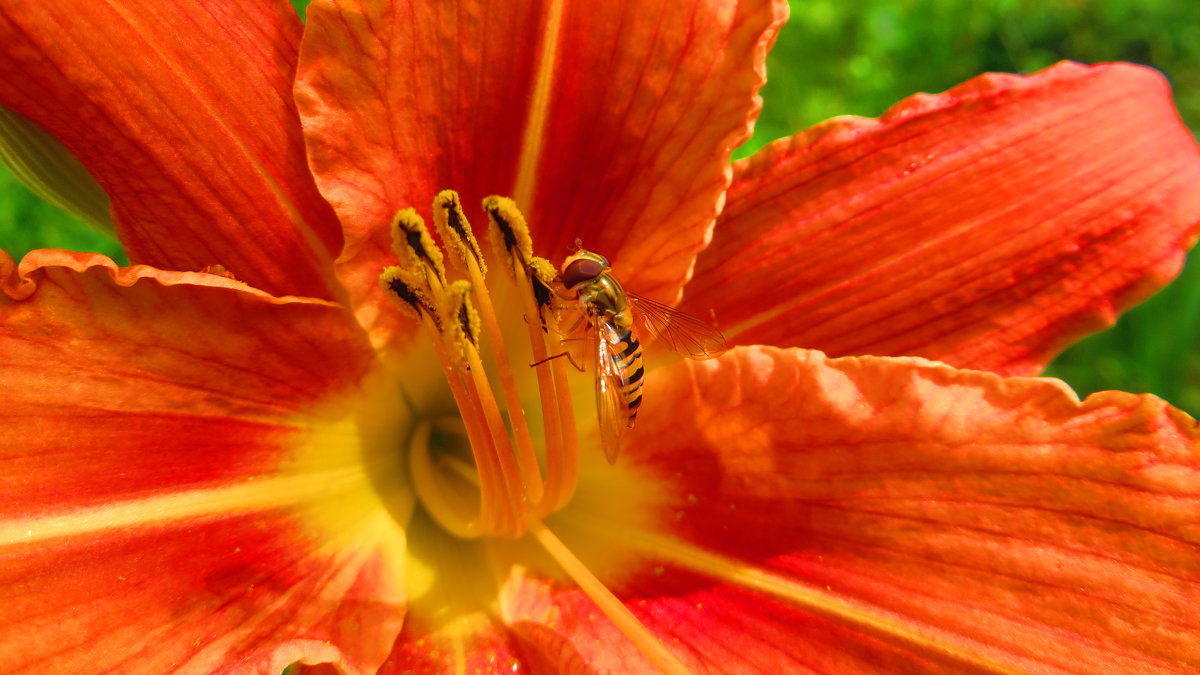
(610, 314)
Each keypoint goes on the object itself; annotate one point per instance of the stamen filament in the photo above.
(503, 451)
(531, 475)
(562, 446)
(570, 453)
(495, 508)
(534, 278)
(551, 419)
(646, 642)
(542, 276)
(496, 503)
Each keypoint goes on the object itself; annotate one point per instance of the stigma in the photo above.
(502, 482)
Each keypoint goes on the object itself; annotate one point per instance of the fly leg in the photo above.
(559, 355)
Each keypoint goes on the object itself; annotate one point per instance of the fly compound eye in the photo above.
(581, 270)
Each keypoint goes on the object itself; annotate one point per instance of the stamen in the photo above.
(461, 320)
(543, 276)
(462, 323)
(507, 471)
(510, 233)
(454, 228)
(496, 510)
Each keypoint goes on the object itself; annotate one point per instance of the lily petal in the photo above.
(560, 626)
(601, 126)
(483, 646)
(177, 493)
(183, 114)
(987, 227)
(874, 513)
(650, 99)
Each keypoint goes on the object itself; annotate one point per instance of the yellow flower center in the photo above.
(481, 474)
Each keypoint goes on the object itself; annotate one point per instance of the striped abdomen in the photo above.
(627, 357)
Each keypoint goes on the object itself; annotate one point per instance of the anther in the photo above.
(460, 319)
(406, 292)
(454, 228)
(413, 245)
(543, 278)
(511, 233)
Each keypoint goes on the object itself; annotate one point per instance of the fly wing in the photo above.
(612, 409)
(683, 333)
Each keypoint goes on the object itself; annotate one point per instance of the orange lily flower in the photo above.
(293, 462)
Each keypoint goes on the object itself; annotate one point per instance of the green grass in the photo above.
(836, 58)
(27, 222)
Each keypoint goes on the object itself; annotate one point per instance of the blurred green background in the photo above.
(836, 57)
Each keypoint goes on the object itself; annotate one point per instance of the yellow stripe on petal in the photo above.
(535, 124)
(340, 481)
(251, 495)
